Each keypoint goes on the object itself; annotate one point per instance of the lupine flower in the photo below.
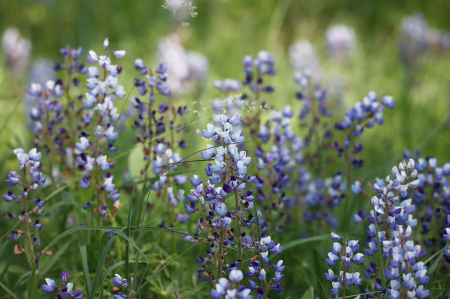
(341, 41)
(346, 254)
(365, 114)
(393, 214)
(65, 290)
(304, 59)
(17, 50)
(186, 69)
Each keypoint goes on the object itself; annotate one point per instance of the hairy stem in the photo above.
(238, 225)
(25, 221)
(222, 233)
(49, 149)
(68, 114)
(113, 224)
(348, 191)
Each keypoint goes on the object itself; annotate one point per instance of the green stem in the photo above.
(266, 289)
(238, 225)
(118, 245)
(69, 116)
(222, 233)
(348, 191)
(25, 221)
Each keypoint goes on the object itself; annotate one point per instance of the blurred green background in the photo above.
(226, 31)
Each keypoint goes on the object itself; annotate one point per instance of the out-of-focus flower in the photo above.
(184, 68)
(418, 39)
(303, 57)
(438, 40)
(41, 71)
(341, 41)
(17, 50)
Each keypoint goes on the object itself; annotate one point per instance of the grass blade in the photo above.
(305, 240)
(85, 265)
(140, 288)
(195, 289)
(115, 266)
(78, 228)
(32, 286)
(98, 273)
(8, 290)
(309, 294)
(433, 256)
(436, 263)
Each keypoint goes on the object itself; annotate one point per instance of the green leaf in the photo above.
(11, 259)
(309, 294)
(78, 228)
(32, 286)
(436, 263)
(305, 240)
(85, 265)
(9, 291)
(380, 256)
(8, 118)
(3, 246)
(55, 257)
(116, 265)
(61, 203)
(325, 292)
(57, 191)
(140, 288)
(433, 256)
(98, 273)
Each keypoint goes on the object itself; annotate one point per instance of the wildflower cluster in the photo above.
(365, 114)
(154, 122)
(239, 207)
(431, 197)
(48, 126)
(64, 290)
(29, 179)
(100, 112)
(230, 171)
(391, 224)
(346, 253)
